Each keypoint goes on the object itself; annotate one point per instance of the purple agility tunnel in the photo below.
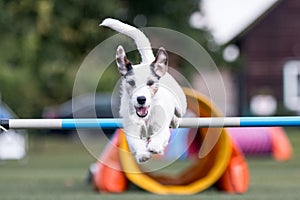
(262, 141)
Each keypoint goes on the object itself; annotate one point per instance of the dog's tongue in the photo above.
(142, 111)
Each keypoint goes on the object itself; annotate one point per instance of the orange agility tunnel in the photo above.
(217, 162)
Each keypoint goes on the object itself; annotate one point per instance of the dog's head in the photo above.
(141, 81)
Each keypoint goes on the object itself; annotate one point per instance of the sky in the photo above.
(227, 18)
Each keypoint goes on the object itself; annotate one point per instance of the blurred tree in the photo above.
(42, 45)
(43, 42)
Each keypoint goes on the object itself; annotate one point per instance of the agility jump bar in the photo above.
(111, 123)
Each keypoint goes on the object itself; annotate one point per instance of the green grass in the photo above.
(57, 168)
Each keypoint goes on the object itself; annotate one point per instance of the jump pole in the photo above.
(109, 123)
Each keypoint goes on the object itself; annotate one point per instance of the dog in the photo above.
(151, 100)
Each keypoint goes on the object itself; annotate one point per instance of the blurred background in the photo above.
(44, 42)
(255, 45)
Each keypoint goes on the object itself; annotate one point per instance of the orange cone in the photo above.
(109, 176)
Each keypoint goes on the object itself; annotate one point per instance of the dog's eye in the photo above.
(150, 82)
(131, 82)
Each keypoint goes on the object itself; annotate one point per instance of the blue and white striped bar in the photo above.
(118, 122)
(240, 122)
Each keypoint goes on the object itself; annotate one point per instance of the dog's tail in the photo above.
(138, 36)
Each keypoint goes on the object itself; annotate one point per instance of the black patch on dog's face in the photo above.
(131, 82)
(128, 66)
(129, 73)
(150, 82)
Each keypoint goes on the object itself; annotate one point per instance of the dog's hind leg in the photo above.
(174, 122)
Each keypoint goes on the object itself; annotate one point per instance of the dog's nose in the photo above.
(141, 100)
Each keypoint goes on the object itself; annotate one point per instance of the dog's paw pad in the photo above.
(155, 151)
(142, 157)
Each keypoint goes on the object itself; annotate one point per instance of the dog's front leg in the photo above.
(159, 123)
(139, 148)
(159, 140)
(137, 144)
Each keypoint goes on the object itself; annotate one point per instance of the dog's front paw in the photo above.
(156, 147)
(142, 156)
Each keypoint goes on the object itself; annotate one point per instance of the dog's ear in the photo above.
(160, 64)
(124, 65)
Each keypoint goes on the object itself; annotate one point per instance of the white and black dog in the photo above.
(151, 99)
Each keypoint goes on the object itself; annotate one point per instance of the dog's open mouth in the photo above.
(142, 111)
